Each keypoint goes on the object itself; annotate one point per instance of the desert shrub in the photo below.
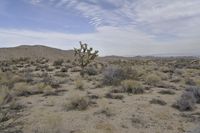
(49, 80)
(131, 86)
(21, 89)
(197, 82)
(60, 74)
(189, 81)
(58, 62)
(17, 78)
(5, 95)
(158, 101)
(6, 79)
(163, 76)
(114, 96)
(105, 110)
(196, 130)
(43, 87)
(186, 102)
(113, 75)
(16, 106)
(91, 71)
(50, 69)
(195, 90)
(79, 84)
(4, 116)
(167, 92)
(77, 103)
(49, 91)
(131, 73)
(64, 69)
(28, 77)
(153, 79)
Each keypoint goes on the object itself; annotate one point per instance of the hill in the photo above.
(35, 51)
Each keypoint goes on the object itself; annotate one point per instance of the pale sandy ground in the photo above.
(133, 114)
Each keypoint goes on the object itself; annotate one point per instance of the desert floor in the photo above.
(51, 97)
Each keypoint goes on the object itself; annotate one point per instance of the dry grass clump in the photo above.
(43, 88)
(79, 84)
(21, 89)
(153, 80)
(106, 110)
(51, 123)
(197, 82)
(131, 86)
(77, 102)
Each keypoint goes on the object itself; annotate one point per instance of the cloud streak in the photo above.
(123, 27)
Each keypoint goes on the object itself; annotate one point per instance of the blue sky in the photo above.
(115, 27)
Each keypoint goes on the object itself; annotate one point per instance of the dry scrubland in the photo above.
(138, 95)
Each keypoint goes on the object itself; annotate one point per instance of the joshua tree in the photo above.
(84, 55)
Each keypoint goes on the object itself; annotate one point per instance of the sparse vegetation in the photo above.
(5, 95)
(58, 62)
(77, 103)
(131, 86)
(186, 102)
(113, 75)
(195, 90)
(37, 96)
(79, 84)
(158, 101)
(153, 80)
(167, 92)
(91, 71)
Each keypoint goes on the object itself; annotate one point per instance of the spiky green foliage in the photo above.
(84, 55)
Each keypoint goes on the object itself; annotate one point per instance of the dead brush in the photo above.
(77, 103)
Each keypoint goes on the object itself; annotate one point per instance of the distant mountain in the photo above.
(35, 51)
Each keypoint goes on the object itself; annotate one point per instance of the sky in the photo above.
(114, 27)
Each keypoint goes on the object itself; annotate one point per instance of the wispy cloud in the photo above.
(124, 27)
(173, 17)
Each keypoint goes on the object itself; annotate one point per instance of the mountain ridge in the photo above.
(35, 51)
